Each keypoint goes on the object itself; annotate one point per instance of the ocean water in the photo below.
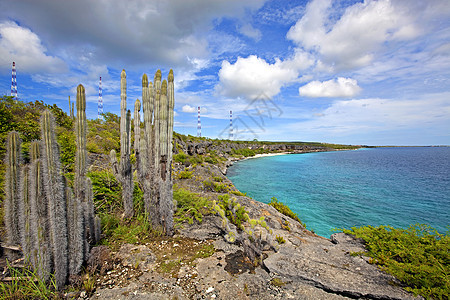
(341, 189)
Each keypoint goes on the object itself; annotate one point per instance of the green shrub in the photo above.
(185, 174)
(210, 159)
(135, 231)
(190, 206)
(196, 159)
(244, 152)
(107, 191)
(235, 212)
(218, 178)
(238, 193)
(280, 239)
(418, 256)
(284, 209)
(180, 157)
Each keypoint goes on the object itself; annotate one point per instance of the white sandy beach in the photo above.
(267, 154)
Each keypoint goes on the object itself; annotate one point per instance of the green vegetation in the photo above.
(215, 186)
(107, 192)
(280, 239)
(185, 174)
(190, 206)
(235, 212)
(218, 179)
(238, 193)
(284, 209)
(132, 231)
(418, 256)
(180, 157)
(277, 282)
(26, 284)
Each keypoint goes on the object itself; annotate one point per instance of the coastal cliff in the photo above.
(294, 263)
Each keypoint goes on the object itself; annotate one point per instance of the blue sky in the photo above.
(352, 72)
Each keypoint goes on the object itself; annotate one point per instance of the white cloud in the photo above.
(251, 76)
(250, 32)
(354, 39)
(381, 117)
(162, 33)
(342, 87)
(23, 46)
(189, 109)
(193, 109)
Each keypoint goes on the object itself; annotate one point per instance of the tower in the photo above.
(14, 82)
(231, 125)
(100, 100)
(199, 125)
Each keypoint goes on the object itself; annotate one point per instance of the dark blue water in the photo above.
(380, 186)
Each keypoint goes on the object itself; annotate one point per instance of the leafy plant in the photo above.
(134, 231)
(185, 174)
(190, 206)
(180, 157)
(284, 209)
(235, 212)
(25, 284)
(280, 239)
(418, 256)
(107, 191)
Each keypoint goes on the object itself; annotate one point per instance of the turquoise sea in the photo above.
(396, 186)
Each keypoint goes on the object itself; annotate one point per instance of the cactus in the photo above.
(171, 100)
(41, 254)
(25, 214)
(12, 197)
(41, 213)
(126, 175)
(152, 149)
(54, 190)
(137, 132)
(81, 153)
(76, 233)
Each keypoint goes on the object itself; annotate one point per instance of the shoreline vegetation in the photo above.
(252, 235)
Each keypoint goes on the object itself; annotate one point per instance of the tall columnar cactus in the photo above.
(125, 174)
(156, 95)
(25, 214)
(41, 254)
(171, 100)
(83, 186)
(41, 213)
(163, 132)
(55, 192)
(76, 232)
(146, 148)
(81, 153)
(12, 197)
(152, 148)
(137, 132)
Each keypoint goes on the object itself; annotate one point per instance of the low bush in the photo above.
(284, 209)
(185, 174)
(190, 206)
(235, 212)
(180, 157)
(418, 256)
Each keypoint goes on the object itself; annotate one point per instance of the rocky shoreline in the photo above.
(299, 265)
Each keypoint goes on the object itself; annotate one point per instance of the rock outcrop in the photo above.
(304, 266)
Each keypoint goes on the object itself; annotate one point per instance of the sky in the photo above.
(348, 72)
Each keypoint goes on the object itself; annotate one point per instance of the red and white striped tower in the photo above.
(100, 100)
(231, 125)
(199, 125)
(14, 81)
